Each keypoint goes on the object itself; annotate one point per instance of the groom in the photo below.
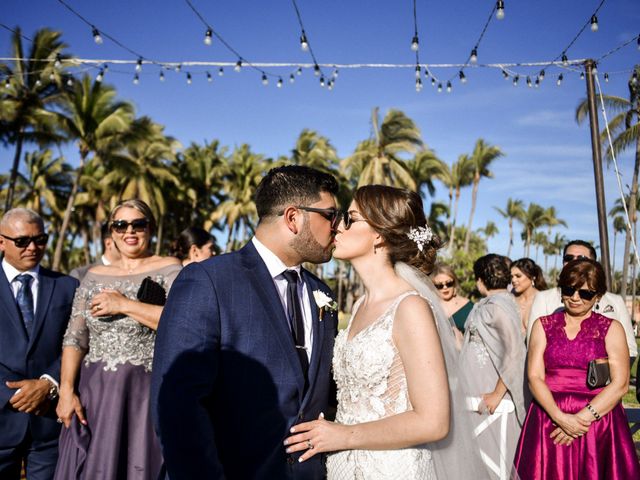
(243, 350)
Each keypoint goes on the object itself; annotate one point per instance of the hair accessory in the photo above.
(420, 235)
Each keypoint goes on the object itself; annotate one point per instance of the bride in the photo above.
(396, 403)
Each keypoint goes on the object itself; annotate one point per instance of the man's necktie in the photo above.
(294, 312)
(25, 300)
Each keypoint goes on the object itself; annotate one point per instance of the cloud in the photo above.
(548, 119)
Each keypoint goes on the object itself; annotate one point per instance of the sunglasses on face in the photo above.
(137, 225)
(331, 214)
(583, 293)
(570, 258)
(347, 218)
(448, 284)
(23, 242)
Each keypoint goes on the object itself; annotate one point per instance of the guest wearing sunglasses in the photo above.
(107, 358)
(609, 304)
(573, 431)
(35, 304)
(455, 306)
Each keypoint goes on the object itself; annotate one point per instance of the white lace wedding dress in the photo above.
(372, 385)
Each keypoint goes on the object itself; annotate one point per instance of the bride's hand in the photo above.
(316, 437)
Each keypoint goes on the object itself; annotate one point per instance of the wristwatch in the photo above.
(52, 394)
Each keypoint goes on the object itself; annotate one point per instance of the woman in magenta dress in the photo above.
(571, 431)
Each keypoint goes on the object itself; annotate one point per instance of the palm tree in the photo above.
(618, 210)
(619, 226)
(539, 239)
(315, 151)
(24, 116)
(437, 210)
(490, 230)
(513, 211)
(534, 218)
(98, 124)
(377, 160)
(482, 156)
(424, 167)
(625, 131)
(459, 175)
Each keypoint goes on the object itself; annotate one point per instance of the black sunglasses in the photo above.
(23, 242)
(584, 294)
(569, 258)
(331, 214)
(347, 218)
(137, 225)
(448, 284)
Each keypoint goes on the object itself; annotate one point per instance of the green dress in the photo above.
(460, 316)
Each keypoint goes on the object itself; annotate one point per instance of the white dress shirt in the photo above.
(12, 272)
(276, 267)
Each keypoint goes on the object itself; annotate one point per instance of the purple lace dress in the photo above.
(607, 450)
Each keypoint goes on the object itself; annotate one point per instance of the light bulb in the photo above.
(220, 71)
(581, 75)
(418, 85)
(537, 83)
(439, 88)
(299, 71)
(280, 83)
(106, 67)
(188, 79)
(7, 83)
(500, 10)
(541, 75)
(335, 73)
(96, 36)
(634, 77)
(565, 59)
(70, 82)
(330, 85)
(238, 66)
(58, 62)
(418, 70)
(606, 77)
(265, 80)
(304, 44)
(292, 78)
(139, 65)
(136, 79)
(529, 84)
(559, 81)
(52, 77)
(208, 37)
(100, 76)
(462, 76)
(316, 70)
(594, 23)
(505, 74)
(449, 87)
(515, 80)
(209, 77)
(433, 82)
(178, 68)
(322, 81)
(594, 70)
(38, 83)
(414, 43)
(474, 56)
(162, 76)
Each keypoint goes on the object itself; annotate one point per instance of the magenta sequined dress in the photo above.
(607, 450)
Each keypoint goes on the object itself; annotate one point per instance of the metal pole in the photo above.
(597, 172)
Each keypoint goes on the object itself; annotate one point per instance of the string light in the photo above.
(161, 76)
(463, 78)
(322, 81)
(433, 82)
(500, 10)
(594, 23)
(209, 77)
(516, 79)
(70, 82)
(136, 79)
(529, 82)
(414, 43)
(299, 71)
(292, 78)
(52, 77)
(38, 83)
(316, 70)
(439, 88)
(565, 60)
(100, 76)
(7, 83)
(594, 70)
(335, 73)
(265, 80)
(208, 37)
(449, 87)
(220, 72)
(537, 83)
(505, 74)
(178, 68)
(304, 44)
(606, 77)
(189, 79)
(418, 71)
(559, 81)
(418, 85)
(330, 85)
(96, 36)
(139, 65)
(238, 66)
(279, 82)
(541, 75)
(474, 56)
(634, 78)
(581, 75)
(58, 62)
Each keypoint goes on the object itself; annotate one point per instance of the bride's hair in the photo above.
(393, 212)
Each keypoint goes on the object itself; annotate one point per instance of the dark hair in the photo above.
(291, 185)
(393, 212)
(493, 271)
(105, 232)
(190, 236)
(444, 269)
(532, 270)
(139, 205)
(581, 243)
(578, 272)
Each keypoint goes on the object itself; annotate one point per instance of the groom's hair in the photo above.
(291, 185)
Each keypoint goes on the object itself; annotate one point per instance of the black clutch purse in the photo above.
(598, 373)
(151, 292)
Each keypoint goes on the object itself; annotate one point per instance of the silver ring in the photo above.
(59, 420)
(309, 445)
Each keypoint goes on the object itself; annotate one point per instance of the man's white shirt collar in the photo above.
(271, 260)
(12, 272)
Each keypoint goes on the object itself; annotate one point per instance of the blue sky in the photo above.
(547, 156)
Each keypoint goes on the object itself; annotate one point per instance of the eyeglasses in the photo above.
(23, 242)
(137, 225)
(583, 293)
(331, 214)
(568, 258)
(448, 284)
(348, 219)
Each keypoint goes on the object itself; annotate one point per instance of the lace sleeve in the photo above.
(77, 334)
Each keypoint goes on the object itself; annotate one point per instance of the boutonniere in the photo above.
(324, 301)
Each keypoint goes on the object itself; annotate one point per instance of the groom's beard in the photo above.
(309, 249)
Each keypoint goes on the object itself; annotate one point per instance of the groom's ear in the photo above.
(292, 216)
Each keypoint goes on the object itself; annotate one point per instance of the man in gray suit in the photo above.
(110, 254)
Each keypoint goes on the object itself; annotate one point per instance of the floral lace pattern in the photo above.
(118, 339)
(372, 385)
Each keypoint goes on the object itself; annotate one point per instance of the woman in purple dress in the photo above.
(571, 431)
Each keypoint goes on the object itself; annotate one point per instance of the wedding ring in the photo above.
(309, 445)
(59, 420)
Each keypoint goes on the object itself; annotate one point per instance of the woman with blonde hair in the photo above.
(455, 306)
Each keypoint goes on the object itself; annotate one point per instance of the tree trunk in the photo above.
(510, 237)
(453, 222)
(527, 243)
(632, 215)
(160, 234)
(14, 171)
(85, 246)
(474, 198)
(613, 260)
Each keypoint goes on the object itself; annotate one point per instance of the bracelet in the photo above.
(593, 411)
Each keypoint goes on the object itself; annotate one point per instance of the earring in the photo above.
(375, 249)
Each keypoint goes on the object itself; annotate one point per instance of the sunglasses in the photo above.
(570, 258)
(584, 294)
(137, 225)
(448, 284)
(23, 242)
(331, 214)
(347, 218)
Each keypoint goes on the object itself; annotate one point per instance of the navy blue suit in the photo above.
(227, 384)
(24, 357)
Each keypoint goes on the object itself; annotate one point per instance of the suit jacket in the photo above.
(227, 384)
(25, 356)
